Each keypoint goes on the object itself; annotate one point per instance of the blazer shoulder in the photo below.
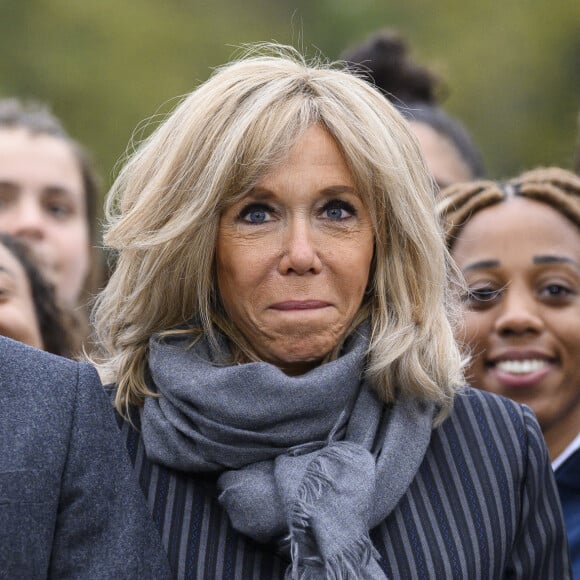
(488, 405)
(477, 412)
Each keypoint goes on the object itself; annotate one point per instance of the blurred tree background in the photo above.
(512, 68)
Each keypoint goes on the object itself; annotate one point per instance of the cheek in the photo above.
(355, 265)
(354, 282)
(569, 335)
(82, 261)
(241, 257)
(238, 274)
(18, 321)
(227, 267)
(73, 244)
(475, 329)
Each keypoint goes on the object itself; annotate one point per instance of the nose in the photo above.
(519, 313)
(300, 255)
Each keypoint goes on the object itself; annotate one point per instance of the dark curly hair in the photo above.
(384, 61)
(56, 327)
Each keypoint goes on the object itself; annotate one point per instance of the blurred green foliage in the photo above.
(512, 67)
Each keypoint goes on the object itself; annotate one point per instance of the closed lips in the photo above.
(299, 305)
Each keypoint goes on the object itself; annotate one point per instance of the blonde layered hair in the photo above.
(163, 213)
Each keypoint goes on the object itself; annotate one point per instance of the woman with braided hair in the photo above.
(518, 246)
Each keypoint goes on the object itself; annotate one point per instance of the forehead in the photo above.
(23, 154)
(443, 159)
(519, 229)
(314, 151)
(315, 147)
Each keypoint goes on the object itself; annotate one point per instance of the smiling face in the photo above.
(521, 260)
(42, 202)
(17, 313)
(294, 255)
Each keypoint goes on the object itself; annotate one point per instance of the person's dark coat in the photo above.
(70, 506)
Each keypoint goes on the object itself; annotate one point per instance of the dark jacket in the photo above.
(70, 506)
(483, 506)
(568, 481)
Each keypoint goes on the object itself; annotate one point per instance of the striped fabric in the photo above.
(483, 505)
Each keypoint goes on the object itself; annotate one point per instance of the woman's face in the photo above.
(443, 160)
(293, 256)
(521, 260)
(17, 314)
(42, 202)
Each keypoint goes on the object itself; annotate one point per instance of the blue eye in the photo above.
(255, 213)
(335, 213)
(256, 216)
(337, 210)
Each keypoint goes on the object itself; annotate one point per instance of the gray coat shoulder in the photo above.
(70, 504)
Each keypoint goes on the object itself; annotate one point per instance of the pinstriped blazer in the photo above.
(483, 505)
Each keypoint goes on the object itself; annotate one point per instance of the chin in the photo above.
(297, 361)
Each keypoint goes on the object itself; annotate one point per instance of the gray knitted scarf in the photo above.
(313, 461)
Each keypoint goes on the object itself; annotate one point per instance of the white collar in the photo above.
(573, 446)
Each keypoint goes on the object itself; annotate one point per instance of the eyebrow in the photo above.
(482, 264)
(7, 184)
(555, 260)
(50, 190)
(57, 190)
(338, 189)
(538, 260)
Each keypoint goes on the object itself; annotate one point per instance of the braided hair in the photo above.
(555, 187)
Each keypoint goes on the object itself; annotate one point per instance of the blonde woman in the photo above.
(278, 334)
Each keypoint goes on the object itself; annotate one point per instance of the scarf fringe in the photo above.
(316, 480)
(346, 564)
